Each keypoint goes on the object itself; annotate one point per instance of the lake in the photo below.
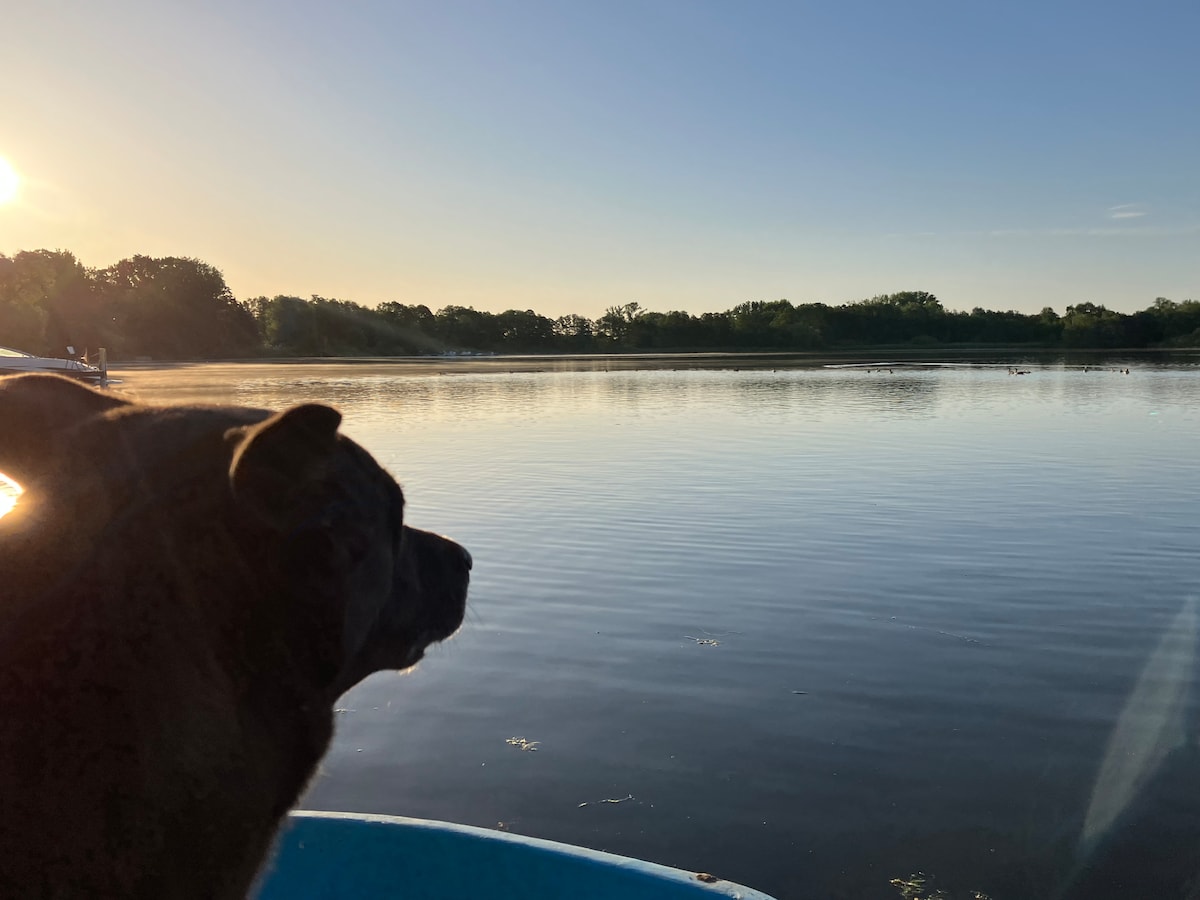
(815, 628)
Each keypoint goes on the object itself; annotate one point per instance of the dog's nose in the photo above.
(445, 551)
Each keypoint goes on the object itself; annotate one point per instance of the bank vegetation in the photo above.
(180, 308)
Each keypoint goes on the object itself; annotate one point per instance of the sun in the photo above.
(9, 181)
(9, 492)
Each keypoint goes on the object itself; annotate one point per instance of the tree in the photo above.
(288, 325)
(1090, 325)
(418, 317)
(616, 321)
(412, 327)
(574, 333)
(179, 307)
(761, 324)
(465, 327)
(525, 330)
(174, 308)
(1176, 323)
(666, 331)
(47, 303)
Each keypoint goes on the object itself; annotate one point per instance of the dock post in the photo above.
(103, 367)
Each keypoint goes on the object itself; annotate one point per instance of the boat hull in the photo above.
(343, 855)
(13, 362)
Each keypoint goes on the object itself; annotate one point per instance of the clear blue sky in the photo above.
(570, 156)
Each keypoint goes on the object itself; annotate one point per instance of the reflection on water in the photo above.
(932, 591)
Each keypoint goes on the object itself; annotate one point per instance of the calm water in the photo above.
(931, 596)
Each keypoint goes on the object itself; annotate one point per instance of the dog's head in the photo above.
(290, 513)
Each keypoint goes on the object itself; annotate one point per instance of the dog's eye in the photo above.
(355, 543)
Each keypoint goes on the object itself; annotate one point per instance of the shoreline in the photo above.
(533, 363)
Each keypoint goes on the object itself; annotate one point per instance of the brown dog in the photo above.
(184, 593)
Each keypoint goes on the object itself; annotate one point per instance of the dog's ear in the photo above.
(37, 415)
(278, 462)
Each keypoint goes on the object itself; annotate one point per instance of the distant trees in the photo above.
(616, 325)
(167, 308)
(907, 318)
(1171, 323)
(174, 308)
(1089, 325)
(526, 330)
(181, 308)
(46, 302)
(291, 326)
(574, 334)
(467, 327)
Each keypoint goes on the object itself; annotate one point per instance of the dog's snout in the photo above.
(437, 547)
(454, 554)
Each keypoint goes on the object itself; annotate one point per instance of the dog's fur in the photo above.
(184, 594)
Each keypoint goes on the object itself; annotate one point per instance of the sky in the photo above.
(571, 156)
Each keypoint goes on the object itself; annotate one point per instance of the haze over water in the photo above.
(825, 628)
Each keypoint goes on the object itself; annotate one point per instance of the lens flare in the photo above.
(1150, 727)
(9, 492)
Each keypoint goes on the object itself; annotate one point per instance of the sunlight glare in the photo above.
(9, 492)
(1151, 726)
(9, 181)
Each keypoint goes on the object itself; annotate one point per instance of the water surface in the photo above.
(824, 627)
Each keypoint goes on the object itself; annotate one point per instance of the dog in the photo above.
(185, 591)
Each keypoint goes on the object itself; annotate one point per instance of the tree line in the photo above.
(181, 308)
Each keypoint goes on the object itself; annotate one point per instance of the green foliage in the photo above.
(41, 291)
(168, 308)
(291, 326)
(173, 308)
(616, 325)
(181, 308)
(526, 330)
(1088, 325)
(574, 334)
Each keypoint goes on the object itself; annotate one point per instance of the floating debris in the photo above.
(613, 800)
(918, 887)
(522, 744)
(703, 642)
